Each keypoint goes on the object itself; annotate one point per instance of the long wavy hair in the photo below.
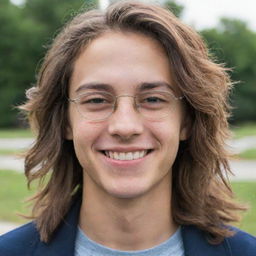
(201, 192)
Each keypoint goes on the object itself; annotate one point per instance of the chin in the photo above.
(128, 191)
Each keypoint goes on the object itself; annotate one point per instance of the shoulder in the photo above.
(242, 243)
(20, 241)
(196, 243)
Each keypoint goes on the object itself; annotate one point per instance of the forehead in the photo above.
(122, 60)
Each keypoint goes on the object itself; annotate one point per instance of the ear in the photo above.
(184, 134)
(68, 132)
(185, 129)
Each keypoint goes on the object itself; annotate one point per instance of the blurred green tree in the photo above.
(25, 33)
(174, 7)
(233, 43)
(54, 13)
(13, 60)
(27, 30)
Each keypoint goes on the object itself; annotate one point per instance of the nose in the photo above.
(125, 122)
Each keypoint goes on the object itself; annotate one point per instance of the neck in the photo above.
(128, 224)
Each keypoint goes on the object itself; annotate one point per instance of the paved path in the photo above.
(243, 170)
(14, 163)
(14, 144)
(237, 146)
(242, 144)
(7, 226)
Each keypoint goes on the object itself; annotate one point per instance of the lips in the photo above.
(127, 155)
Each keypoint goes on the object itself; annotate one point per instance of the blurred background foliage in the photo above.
(27, 30)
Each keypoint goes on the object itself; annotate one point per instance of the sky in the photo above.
(206, 13)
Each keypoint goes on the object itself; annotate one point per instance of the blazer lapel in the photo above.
(63, 242)
(195, 243)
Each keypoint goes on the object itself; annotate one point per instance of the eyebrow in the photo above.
(95, 86)
(144, 86)
(152, 85)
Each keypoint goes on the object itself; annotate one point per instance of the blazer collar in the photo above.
(196, 244)
(63, 242)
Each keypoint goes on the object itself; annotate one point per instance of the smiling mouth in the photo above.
(126, 156)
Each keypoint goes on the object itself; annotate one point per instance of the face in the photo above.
(121, 63)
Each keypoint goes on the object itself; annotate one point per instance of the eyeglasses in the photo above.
(98, 106)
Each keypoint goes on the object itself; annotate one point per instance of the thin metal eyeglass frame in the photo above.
(75, 101)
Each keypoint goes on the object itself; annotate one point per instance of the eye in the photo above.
(156, 100)
(95, 99)
(153, 99)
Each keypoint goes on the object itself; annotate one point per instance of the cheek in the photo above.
(167, 135)
(166, 132)
(86, 134)
(82, 130)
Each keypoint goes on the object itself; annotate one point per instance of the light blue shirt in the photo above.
(171, 247)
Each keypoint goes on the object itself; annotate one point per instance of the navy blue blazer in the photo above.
(25, 241)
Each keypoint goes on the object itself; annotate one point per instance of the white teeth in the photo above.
(122, 156)
(129, 156)
(137, 154)
(141, 154)
(110, 154)
(126, 155)
(115, 155)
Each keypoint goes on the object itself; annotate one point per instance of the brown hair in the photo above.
(201, 192)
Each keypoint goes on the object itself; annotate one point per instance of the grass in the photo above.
(15, 133)
(13, 191)
(7, 152)
(246, 192)
(244, 130)
(249, 154)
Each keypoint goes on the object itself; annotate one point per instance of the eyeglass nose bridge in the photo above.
(126, 95)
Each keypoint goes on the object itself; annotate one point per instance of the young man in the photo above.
(131, 117)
